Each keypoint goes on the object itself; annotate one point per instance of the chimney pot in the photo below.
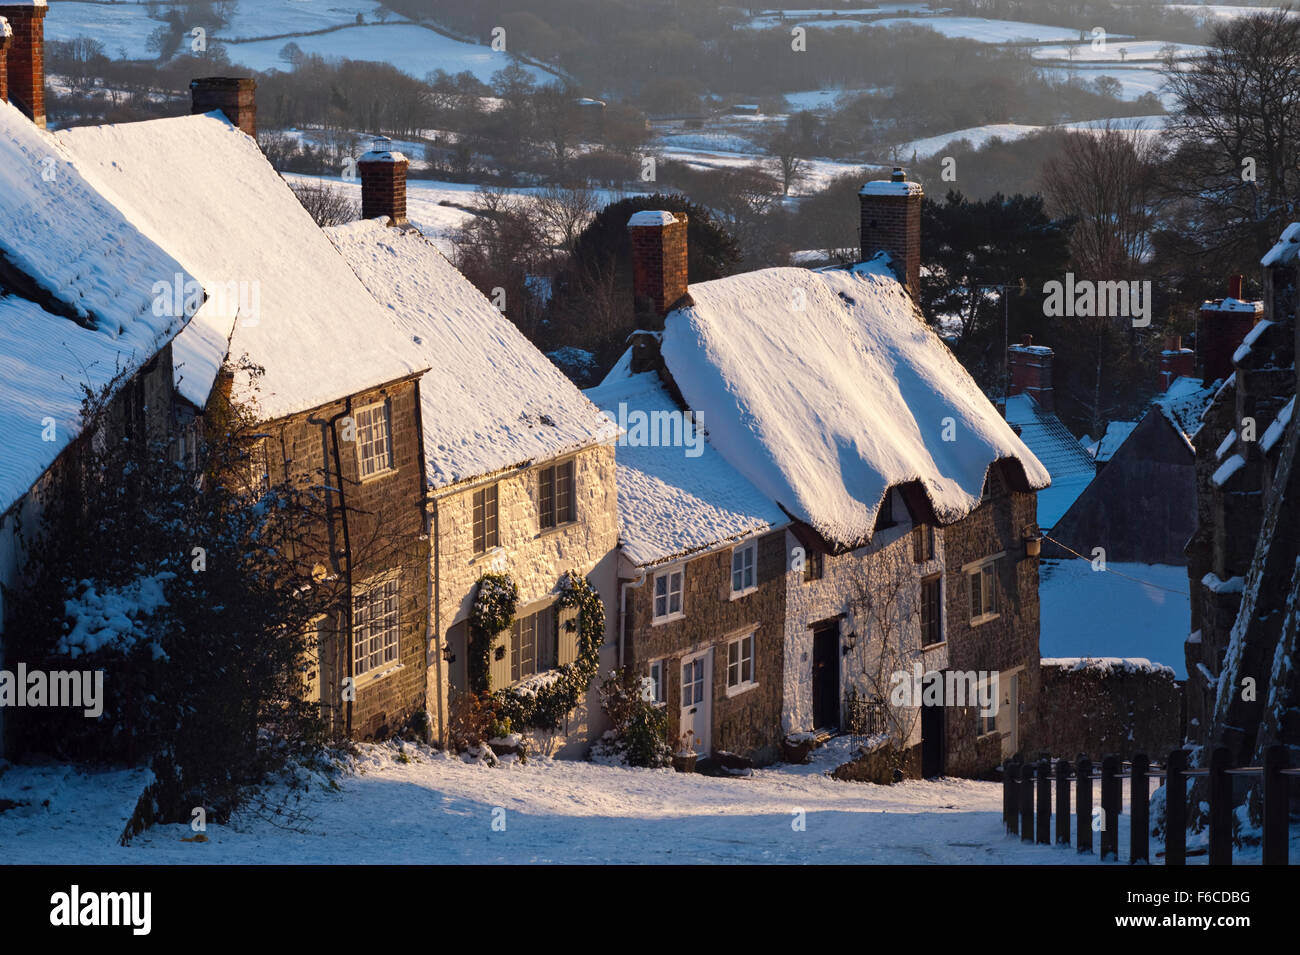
(1027, 341)
(383, 182)
(25, 62)
(1234, 286)
(898, 175)
(659, 263)
(236, 97)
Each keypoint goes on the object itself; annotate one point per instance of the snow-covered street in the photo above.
(437, 809)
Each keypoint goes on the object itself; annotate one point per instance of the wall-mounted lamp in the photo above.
(848, 631)
(1033, 539)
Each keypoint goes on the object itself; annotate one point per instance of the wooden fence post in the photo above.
(1176, 808)
(1062, 803)
(1013, 807)
(1083, 803)
(1027, 802)
(1220, 808)
(1139, 798)
(1110, 799)
(1275, 805)
(1045, 801)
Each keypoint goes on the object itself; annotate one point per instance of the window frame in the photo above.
(656, 671)
(678, 571)
(360, 599)
(551, 501)
(389, 450)
(935, 580)
(543, 642)
(990, 603)
(741, 551)
(745, 642)
(923, 543)
(479, 503)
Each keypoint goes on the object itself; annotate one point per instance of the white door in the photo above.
(1008, 718)
(697, 700)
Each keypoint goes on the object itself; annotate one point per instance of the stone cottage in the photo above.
(702, 564)
(518, 465)
(337, 388)
(911, 539)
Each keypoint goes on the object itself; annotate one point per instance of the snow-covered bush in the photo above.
(640, 733)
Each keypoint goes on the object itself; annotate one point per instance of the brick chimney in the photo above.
(1175, 361)
(891, 222)
(26, 59)
(1031, 372)
(659, 275)
(383, 182)
(6, 37)
(1224, 323)
(234, 96)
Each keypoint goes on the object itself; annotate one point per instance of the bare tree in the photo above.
(787, 165)
(326, 204)
(566, 210)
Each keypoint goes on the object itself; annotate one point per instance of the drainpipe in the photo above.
(435, 620)
(622, 611)
(347, 548)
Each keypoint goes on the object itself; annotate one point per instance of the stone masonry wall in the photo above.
(536, 559)
(749, 722)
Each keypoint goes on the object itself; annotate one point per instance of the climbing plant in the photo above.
(544, 701)
(493, 613)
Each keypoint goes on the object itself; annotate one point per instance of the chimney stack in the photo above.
(25, 68)
(383, 182)
(1224, 323)
(891, 222)
(234, 96)
(6, 37)
(1031, 372)
(1175, 361)
(659, 274)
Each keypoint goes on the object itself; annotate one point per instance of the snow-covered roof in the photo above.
(71, 241)
(1116, 433)
(671, 503)
(1287, 248)
(74, 253)
(825, 389)
(1184, 403)
(492, 400)
(201, 188)
(5, 29)
(1071, 466)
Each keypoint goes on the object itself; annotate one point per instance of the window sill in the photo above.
(737, 594)
(926, 647)
(491, 554)
(668, 618)
(378, 475)
(374, 676)
(983, 619)
(557, 529)
(742, 688)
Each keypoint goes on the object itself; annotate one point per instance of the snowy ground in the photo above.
(979, 135)
(1087, 613)
(123, 28)
(439, 809)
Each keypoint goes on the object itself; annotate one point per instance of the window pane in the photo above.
(564, 492)
(490, 536)
(975, 594)
(546, 496)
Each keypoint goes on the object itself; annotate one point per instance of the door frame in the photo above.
(830, 626)
(704, 741)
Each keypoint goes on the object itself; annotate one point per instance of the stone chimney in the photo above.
(659, 276)
(383, 182)
(1224, 323)
(25, 66)
(1175, 361)
(1031, 372)
(234, 96)
(891, 222)
(6, 37)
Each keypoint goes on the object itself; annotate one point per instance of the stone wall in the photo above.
(1099, 707)
(749, 722)
(384, 530)
(536, 559)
